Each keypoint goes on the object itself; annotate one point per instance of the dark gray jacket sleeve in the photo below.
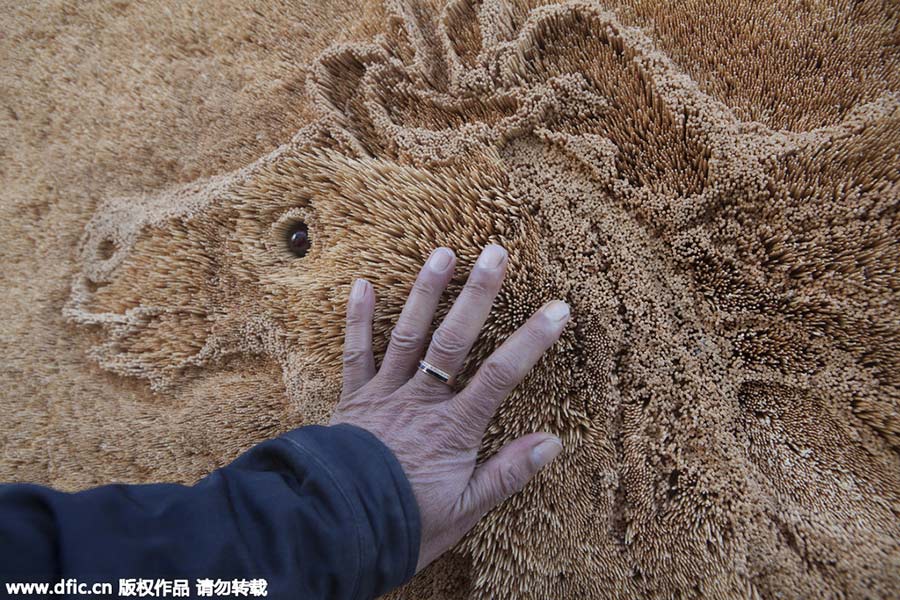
(320, 512)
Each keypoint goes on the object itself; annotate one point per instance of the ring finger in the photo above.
(455, 336)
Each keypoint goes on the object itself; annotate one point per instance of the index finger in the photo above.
(508, 365)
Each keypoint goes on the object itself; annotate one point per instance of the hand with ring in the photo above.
(434, 432)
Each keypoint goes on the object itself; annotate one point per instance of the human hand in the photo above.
(436, 433)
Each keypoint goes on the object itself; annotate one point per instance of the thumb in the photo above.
(510, 469)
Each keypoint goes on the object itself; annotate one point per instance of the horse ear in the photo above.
(646, 112)
(148, 284)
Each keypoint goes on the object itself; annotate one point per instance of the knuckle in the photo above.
(447, 343)
(423, 287)
(471, 415)
(538, 334)
(423, 389)
(404, 339)
(511, 479)
(499, 374)
(382, 385)
(479, 287)
(356, 318)
(354, 356)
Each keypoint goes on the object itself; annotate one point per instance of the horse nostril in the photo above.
(298, 239)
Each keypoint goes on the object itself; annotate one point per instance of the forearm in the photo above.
(318, 512)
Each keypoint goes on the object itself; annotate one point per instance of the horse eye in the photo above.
(298, 239)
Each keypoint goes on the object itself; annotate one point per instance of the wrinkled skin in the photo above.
(434, 432)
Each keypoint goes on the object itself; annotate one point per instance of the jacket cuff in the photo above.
(381, 499)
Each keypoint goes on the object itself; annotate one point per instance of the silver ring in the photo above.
(432, 370)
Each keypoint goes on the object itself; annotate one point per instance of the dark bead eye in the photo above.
(298, 239)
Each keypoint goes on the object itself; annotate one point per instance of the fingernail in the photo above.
(440, 260)
(557, 310)
(544, 452)
(358, 290)
(491, 257)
